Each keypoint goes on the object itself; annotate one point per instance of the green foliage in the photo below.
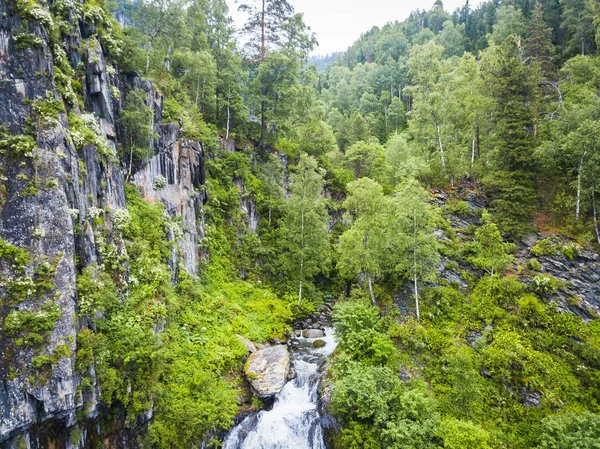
(85, 130)
(136, 120)
(545, 284)
(462, 434)
(570, 430)
(490, 252)
(511, 83)
(359, 333)
(16, 257)
(555, 247)
(16, 146)
(305, 243)
(30, 328)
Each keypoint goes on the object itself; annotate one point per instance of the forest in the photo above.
(464, 142)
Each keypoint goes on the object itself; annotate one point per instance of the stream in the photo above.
(293, 422)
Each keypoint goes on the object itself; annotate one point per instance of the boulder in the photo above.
(247, 343)
(313, 333)
(318, 343)
(267, 370)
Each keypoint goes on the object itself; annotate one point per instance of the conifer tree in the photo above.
(538, 45)
(511, 178)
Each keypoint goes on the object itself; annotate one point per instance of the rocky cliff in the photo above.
(60, 105)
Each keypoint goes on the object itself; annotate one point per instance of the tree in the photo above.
(370, 246)
(402, 160)
(491, 253)
(570, 430)
(279, 43)
(355, 129)
(365, 158)
(539, 41)
(275, 91)
(162, 21)
(509, 21)
(304, 224)
(578, 27)
(422, 259)
(451, 39)
(265, 18)
(430, 97)
(136, 120)
(511, 178)
(396, 115)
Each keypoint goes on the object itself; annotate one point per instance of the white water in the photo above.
(293, 422)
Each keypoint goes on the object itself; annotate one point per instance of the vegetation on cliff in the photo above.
(451, 331)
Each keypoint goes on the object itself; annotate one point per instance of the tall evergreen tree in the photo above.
(511, 178)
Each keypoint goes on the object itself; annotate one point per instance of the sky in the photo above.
(338, 23)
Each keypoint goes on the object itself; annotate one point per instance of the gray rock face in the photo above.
(267, 370)
(45, 198)
(180, 164)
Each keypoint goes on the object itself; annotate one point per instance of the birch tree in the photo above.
(369, 247)
(305, 242)
(421, 259)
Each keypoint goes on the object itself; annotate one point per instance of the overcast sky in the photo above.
(338, 23)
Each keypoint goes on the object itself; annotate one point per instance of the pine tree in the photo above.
(511, 179)
(538, 45)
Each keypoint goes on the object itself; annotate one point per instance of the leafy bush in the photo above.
(580, 431)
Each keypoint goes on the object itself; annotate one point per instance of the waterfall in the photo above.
(293, 422)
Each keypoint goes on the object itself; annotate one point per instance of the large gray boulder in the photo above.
(313, 333)
(267, 370)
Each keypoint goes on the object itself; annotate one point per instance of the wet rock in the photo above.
(267, 370)
(247, 343)
(531, 398)
(318, 343)
(313, 333)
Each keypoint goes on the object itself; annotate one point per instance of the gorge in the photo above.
(182, 215)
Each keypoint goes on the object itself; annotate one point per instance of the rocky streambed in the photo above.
(290, 376)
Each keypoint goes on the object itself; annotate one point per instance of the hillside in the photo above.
(185, 222)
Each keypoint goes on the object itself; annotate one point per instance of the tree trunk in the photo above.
(371, 288)
(578, 204)
(148, 55)
(228, 115)
(130, 161)
(415, 265)
(595, 216)
(197, 89)
(262, 32)
(439, 136)
(301, 257)
(263, 124)
(473, 152)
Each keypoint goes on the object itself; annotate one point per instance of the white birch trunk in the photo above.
(578, 204)
(371, 289)
(439, 136)
(595, 216)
